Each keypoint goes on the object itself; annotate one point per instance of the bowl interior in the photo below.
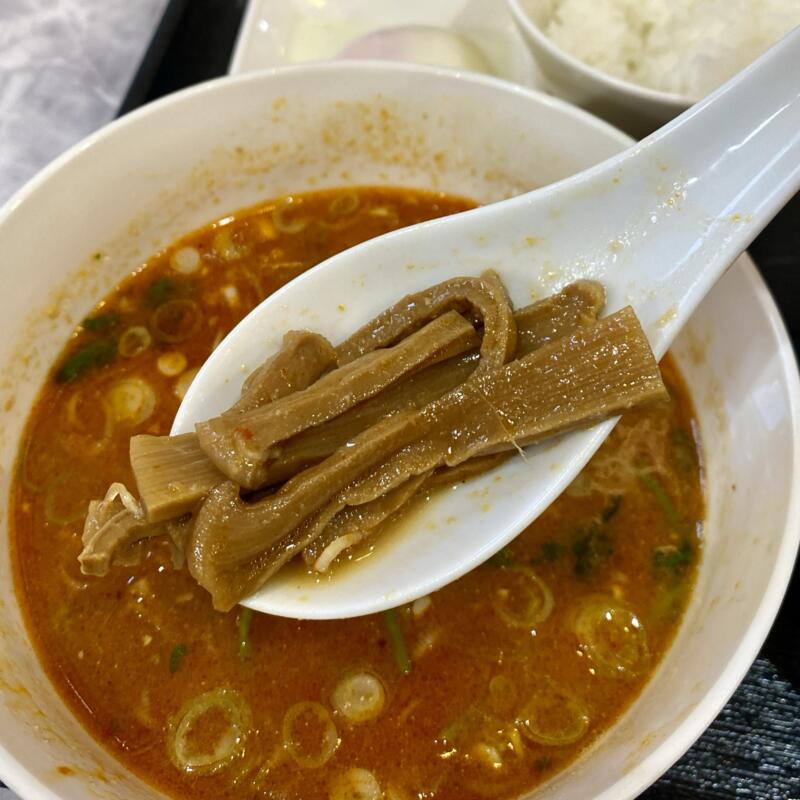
(99, 211)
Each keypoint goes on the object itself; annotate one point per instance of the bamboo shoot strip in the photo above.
(540, 323)
(486, 296)
(173, 473)
(599, 371)
(303, 357)
(241, 444)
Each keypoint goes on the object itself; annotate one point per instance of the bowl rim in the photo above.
(255, 76)
(634, 90)
(28, 784)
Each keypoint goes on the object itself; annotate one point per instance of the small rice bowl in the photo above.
(685, 47)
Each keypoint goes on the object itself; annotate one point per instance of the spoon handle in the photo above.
(740, 148)
(688, 199)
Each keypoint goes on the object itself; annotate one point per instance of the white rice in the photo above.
(687, 47)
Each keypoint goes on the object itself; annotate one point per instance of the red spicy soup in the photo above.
(469, 693)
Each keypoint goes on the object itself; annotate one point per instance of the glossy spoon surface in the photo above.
(657, 225)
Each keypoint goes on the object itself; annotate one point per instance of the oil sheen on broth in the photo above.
(484, 689)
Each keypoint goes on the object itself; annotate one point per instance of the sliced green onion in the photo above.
(101, 323)
(184, 727)
(309, 735)
(135, 340)
(612, 636)
(34, 466)
(132, 401)
(668, 509)
(673, 560)
(670, 600)
(421, 605)
(359, 696)
(95, 354)
(176, 657)
(175, 321)
(228, 249)
(523, 599)
(159, 292)
(552, 550)
(397, 641)
(451, 732)
(344, 204)
(387, 215)
(342, 211)
(284, 271)
(591, 549)
(171, 364)
(611, 507)
(683, 448)
(91, 418)
(355, 784)
(186, 260)
(182, 384)
(502, 694)
(553, 716)
(243, 626)
(280, 217)
(502, 558)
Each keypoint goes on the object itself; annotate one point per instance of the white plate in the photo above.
(275, 33)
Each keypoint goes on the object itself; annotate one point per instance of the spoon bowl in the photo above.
(657, 225)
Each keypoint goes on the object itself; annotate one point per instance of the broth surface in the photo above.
(499, 695)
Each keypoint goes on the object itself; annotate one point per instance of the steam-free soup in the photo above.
(482, 690)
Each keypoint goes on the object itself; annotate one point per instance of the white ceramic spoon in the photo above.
(657, 225)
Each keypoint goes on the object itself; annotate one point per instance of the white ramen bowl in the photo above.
(635, 108)
(167, 169)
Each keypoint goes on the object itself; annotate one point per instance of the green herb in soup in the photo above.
(482, 690)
